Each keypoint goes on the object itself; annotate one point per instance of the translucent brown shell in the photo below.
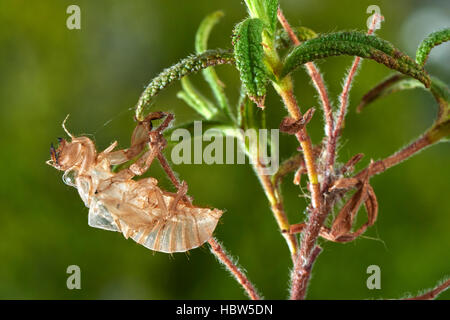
(157, 219)
(141, 219)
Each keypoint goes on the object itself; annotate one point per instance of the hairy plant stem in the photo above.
(315, 75)
(430, 295)
(302, 274)
(333, 138)
(382, 165)
(292, 107)
(276, 205)
(222, 256)
(308, 250)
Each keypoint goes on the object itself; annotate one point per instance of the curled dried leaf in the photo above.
(292, 126)
(344, 220)
(344, 183)
(371, 205)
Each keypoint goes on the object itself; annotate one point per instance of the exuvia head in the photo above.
(67, 154)
(54, 153)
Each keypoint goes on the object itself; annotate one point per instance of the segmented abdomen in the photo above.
(185, 230)
(143, 219)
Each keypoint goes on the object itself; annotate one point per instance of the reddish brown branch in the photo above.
(308, 250)
(287, 27)
(332, 142)
(348, 82)
(432, 294)
(377, 90)
(382, 165)
(223, 257)
(301, 274)
(305, 141)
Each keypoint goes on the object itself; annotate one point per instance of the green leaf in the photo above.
(439, 90)
(183, 68)
(206, 125)
(252, 117)
(282, 40)
(201, 45)
(354, 44)
(255, 8)
(271, 9)
(266, 11)
(204, 30)
(249, 55)
(434, 39)
(196, 100)
(399, 82)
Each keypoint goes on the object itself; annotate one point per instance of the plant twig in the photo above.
(294, 163)
(376, 91)
(315, 75)
(432, 294)
(290, 102)
(222, 256)
(308, 250)
(305, 258)
(382, 165)
(301, 275)
(276, 204)
(332, 142)
(270, 189)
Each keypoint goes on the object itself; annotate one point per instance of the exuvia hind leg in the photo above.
(156, 143)
(157, 139)
(136, 169)
(139, 139)
(142, 136)
(182, 190)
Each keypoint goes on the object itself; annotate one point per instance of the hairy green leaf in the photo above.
(183, 68)
(204, 30)
(250, 117)
(190, 126)
(249, 55)
(271, 8)
(440, 91)
(399, 82)
(266, 11)
(201, 45)
(354, 44)
(282, 40)
(434, 39)
(196, 100)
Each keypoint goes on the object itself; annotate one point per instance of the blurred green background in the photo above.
(97, 74)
